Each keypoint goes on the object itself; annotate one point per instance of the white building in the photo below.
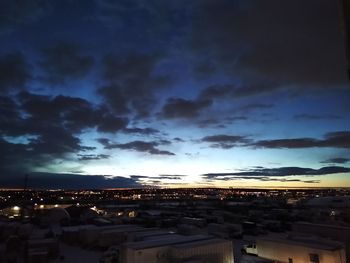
(300, 250)
(178, 248)
(335, 232)
(210, 250)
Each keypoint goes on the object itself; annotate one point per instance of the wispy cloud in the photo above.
(339, 139)
(338, 160)
(225, 141)
(139, 146)
(281, 174)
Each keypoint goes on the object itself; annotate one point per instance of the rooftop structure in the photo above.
(298, 249)
(178, 248)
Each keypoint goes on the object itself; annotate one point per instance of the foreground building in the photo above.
(335, 232)
(178, 248)
(298, 250)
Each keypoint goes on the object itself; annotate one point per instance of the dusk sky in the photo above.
(173, 93)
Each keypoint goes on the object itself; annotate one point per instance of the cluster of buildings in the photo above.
(268, 226)
(112, 243)
(298, 248)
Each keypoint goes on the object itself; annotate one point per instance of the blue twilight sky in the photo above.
(132, 93)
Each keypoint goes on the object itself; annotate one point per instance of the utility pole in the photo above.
(23, 206)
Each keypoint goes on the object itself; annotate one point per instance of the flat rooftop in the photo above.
(152, 234)
(109, 227)
(306, 242)
(170, 240)
(123, 229)
(201, 243)
(347, 228)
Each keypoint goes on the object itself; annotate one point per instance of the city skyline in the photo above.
(117, 94)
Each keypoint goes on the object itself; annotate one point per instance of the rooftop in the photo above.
(338, 227)
(201, 243)
(316, 243)
(172, 239)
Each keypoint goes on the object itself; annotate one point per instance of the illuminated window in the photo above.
(132, 214)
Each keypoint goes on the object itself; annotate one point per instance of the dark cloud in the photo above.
(252, 88)
(171, 176)
(14, 72)
(155, 180)
(219, 122)
(339, 139)
(311, 181)
(339, 160)
(39, 120)
(9, 116)
(255, 106)
(237, 118)
(212, 122)
(217, 92)
(225, 141)
(280, 172)
(177, 108)
(21, 12)
(110, 123)
(69, 181)
(236, 91)
(10, 152)
(283, 180)
(152, 23)
(56, 141)
(141, 57)
(142, 131)
(139, 146)
(131, 82)
(89, 157)
(158, 177)
(138, 177)
(64, 61)
(177, 139)
(258, 178)
(104, 141)
(287, 143)
(306, 116)
(208, 123)
(293, 42)
(74, 114)
(45, 149)
(163, 142)
(38, 129)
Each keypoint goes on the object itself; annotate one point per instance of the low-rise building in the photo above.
(335, 232)
(298, 250)
(178, 248)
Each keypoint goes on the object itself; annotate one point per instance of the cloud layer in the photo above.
(140, 87)
(339, 139)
